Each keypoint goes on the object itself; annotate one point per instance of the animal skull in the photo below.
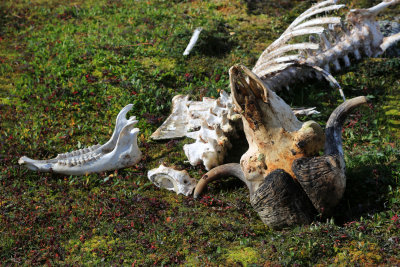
(286, 178)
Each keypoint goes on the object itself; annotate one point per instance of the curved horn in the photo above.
(222, 171)
(323, 178)
(333, 131)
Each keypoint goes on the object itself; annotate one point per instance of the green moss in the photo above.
(242, 255)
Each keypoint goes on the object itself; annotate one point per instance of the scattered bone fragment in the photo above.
(178, 181)
(120, 151)
(193, 41)
(175, 126)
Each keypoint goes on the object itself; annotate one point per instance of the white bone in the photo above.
(120, 151)
(285, 49)
(318, 21)
(305, 111)
(192, 41)
(359, 31)
(314, 12)
(178, 181)
(389, 41)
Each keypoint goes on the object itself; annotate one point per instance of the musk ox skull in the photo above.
(287, 179)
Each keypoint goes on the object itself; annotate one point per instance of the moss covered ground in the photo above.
(68, 67)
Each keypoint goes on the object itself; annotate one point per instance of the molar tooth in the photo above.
(91, 148)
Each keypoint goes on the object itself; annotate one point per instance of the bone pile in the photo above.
(210, 122)
(332, 40)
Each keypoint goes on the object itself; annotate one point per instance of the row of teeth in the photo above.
(76, 161)
(78, 152)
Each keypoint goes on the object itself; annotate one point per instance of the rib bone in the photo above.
(358, 33)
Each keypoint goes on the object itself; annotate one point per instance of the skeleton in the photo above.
(331, 40)
(287, 179)
(120, 151)
(284, 63)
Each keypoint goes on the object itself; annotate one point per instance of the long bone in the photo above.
(286, 178)
(119, 152)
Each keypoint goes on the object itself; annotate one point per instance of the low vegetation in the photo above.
(68, 67)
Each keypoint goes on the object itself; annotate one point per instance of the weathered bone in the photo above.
(187, 116)
(210, 122)
(192, 41)
(276, 138)
(178, 181)
(359, 32)
(284, 175)
(120, 151)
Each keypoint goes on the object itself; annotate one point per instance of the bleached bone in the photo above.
(216, 120)
(175, 126)
(210, 147)
(359, 32)
(187, 116)
(178, 181)
(192, 41)
(119, 152)
(305, 111)
(210, 122)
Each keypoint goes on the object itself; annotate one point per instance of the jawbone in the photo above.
(120, 151)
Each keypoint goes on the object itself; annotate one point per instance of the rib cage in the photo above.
(331, 40)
